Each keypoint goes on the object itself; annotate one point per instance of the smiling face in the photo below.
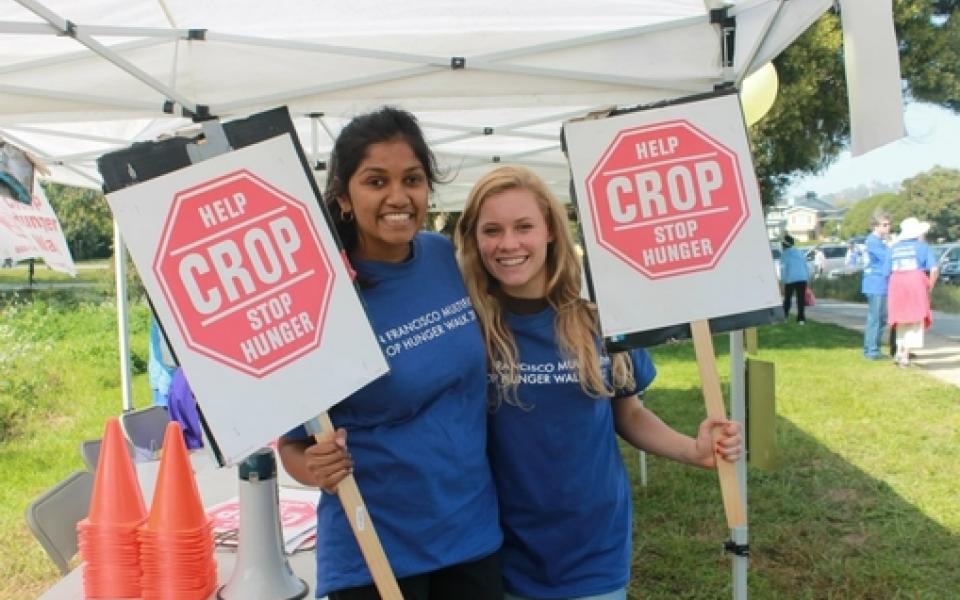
(512, 236)
(387, 195)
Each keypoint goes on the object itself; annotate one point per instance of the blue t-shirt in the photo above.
(910, 255)
(874, 275)
(793, 266)
(418, 434)
(564, 493)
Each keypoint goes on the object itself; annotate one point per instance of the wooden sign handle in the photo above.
(363, 530)
(713, 398)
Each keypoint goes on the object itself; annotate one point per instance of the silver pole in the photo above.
(120, 267)
(739, 536)
(738, 413)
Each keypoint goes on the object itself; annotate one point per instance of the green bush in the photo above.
(945, 297)
(846, 288)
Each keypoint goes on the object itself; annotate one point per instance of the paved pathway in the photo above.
(941, 353)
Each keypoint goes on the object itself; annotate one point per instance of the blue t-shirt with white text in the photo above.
(564, 493)
(418, 434)
(910, 255)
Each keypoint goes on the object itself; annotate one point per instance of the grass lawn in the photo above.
(93, 271)
(59, 380)
(863, 504)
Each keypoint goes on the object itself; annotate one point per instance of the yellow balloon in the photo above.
(757, 93)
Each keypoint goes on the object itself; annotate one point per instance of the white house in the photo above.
(806, 218)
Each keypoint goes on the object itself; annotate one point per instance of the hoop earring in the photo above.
(347, 216)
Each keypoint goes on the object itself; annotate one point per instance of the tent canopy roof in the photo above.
(491, 81)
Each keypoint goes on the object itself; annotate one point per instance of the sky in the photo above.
(933, 138)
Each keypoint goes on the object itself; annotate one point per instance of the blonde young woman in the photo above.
(557, 398)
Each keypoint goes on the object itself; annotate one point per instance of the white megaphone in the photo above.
(262, 571)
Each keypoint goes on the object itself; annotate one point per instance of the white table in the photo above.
(216, 485)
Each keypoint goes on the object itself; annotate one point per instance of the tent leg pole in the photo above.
(740, 561)
(738, 400)
(120, 269)
(738, 413)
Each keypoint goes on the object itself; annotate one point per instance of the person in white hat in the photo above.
(913, 272)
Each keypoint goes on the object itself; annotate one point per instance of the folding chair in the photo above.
(53, 516)
(90, 452)
(144, 429)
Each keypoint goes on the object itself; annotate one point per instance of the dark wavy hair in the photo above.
(383, 125)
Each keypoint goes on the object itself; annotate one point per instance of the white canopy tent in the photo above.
(491, 81)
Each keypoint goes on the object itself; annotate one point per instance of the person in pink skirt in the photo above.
(913, 271)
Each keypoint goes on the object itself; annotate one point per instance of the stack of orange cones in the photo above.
(107, 538)
(176, 541)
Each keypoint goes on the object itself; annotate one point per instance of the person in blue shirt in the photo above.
(160, 365)
(558, 398)
(913, 271)
(874, 285)
(418, 434)
(794, 275)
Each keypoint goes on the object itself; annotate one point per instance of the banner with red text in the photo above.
(33, 231)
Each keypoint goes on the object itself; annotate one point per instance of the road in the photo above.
(941, 353)
(854, 315)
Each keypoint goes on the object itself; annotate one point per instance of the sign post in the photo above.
(361, 523)
(733, 504)
(246, 278)
(675, 240)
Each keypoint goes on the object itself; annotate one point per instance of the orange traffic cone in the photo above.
(176, 500)
(176, 540)
(107, 538)
(116, 498)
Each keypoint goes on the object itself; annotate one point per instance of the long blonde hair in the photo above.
(576, 321)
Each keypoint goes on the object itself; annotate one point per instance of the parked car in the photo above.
(950, 271)
(946, 252)
(833, 261)
(949, 263)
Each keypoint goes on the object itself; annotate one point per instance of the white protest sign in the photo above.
(252, 292)
(672, 219)
(33, 231)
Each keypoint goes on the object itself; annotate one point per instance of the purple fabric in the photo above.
(183, 408)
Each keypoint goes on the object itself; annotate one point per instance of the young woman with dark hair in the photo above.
(418, 434)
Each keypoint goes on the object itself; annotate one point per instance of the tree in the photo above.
(857, 219)
(929, 35)
(85, 219)
(934, 196)
(809, 124)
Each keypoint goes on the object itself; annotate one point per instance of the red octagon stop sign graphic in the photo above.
(667, 199)
(242, 267)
